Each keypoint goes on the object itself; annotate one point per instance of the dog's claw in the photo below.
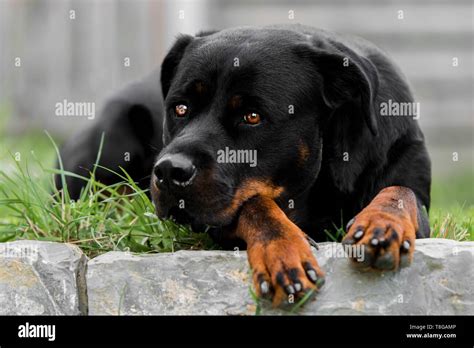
(290, 290)
(312, 242)
(358, 234)
(298, 287)
(264, 287)
(349, 224)
(312, 275)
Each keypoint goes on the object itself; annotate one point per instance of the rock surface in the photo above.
(440, 281)
(42, 278)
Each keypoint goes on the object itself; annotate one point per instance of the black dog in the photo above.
(131, 122)
(309, 103)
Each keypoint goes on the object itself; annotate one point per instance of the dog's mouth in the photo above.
(179, 215)
(210, 208)
(183, 217)
(206, 204)
(200, 220)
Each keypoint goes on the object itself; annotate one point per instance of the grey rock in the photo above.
(440, 281)
(185, 282)
(42, 278)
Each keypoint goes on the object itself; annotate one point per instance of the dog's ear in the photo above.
(347, 84)
(172, 60)
(203, 33)
(141, 121)
(347, 78)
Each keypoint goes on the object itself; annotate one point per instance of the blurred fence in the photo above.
(78, 50)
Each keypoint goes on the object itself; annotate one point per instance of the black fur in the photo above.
(131, 121)
(336, 112)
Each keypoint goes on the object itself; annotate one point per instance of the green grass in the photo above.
(102, 219)
(455, 223)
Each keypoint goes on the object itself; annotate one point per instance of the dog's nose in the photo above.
(176, 169)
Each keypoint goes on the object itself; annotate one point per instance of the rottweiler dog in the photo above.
(307, 103)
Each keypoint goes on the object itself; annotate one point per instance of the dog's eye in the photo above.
(180, 110)
(252, 118)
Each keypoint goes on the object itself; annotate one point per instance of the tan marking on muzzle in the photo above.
(249, 189)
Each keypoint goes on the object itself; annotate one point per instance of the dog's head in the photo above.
(246, 110)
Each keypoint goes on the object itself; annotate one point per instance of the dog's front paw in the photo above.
(284, 268)
(387, 240)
